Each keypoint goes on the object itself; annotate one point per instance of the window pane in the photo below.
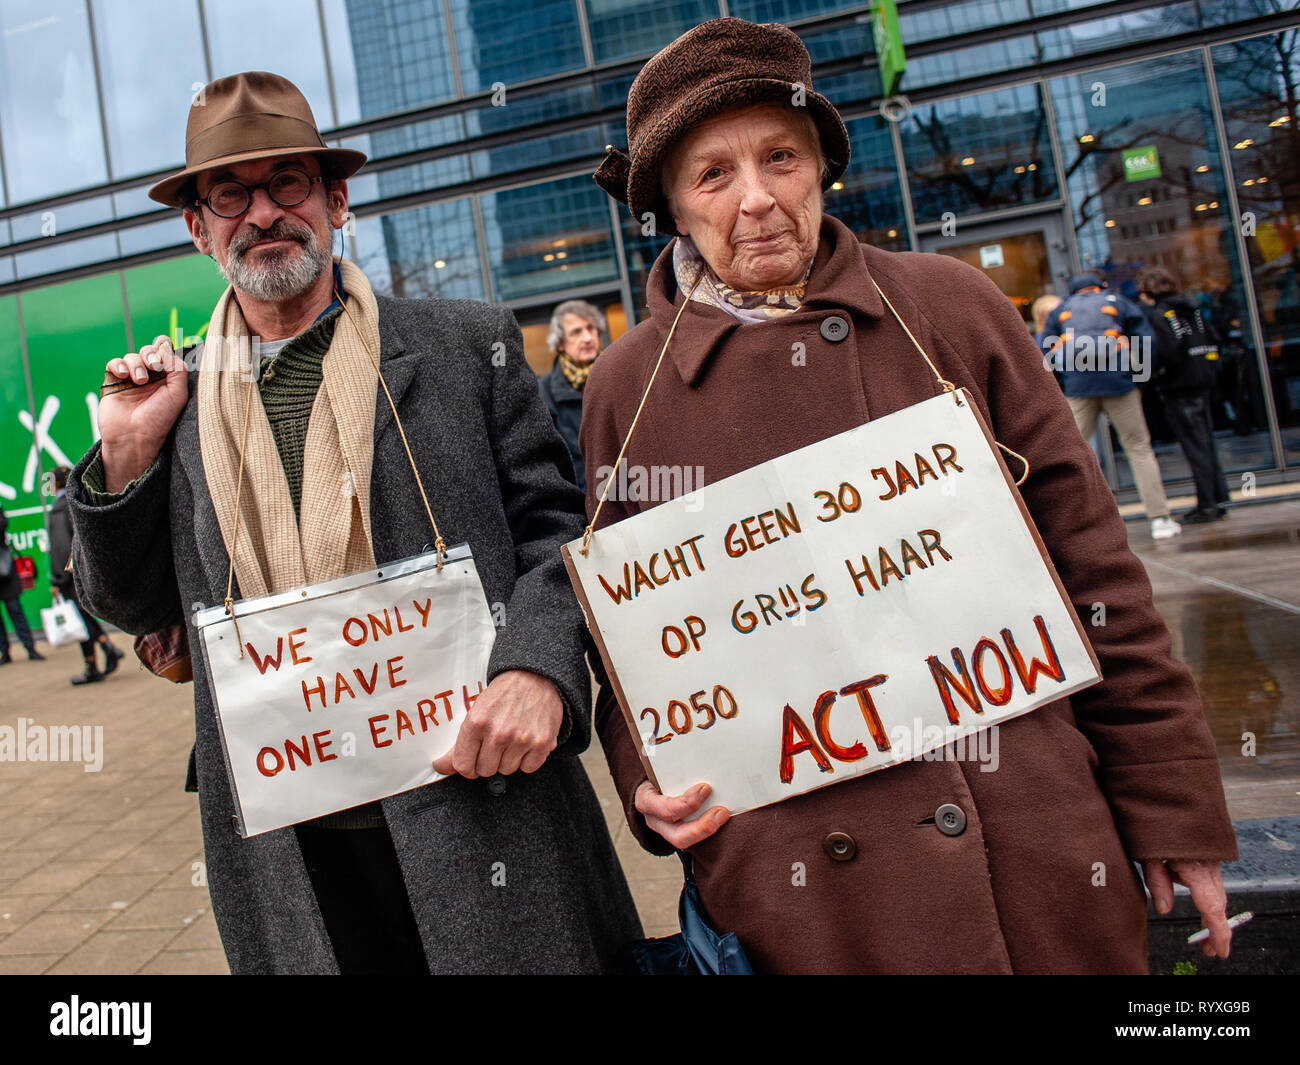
(49, 110)
(505, 41)
(548, 237)
(150, 58)
(1147, 189)
(1105, 33)
(787, 10)
(61, 219)
(978, 153)
(1256, 80)
(281, 37)
(940, 23)
(67, 256)
(623, 28)
(870, 202)
(388, 55)
(429, 251)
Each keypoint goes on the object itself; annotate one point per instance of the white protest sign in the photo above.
(832, 612)
(347, 690)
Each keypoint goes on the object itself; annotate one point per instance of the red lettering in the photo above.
(260, 662)
(374, 732)
(403, 722)
(376, 624)
(734, 544)
(466, 697)
(397, 613)
(1052, 667)
(882, 474)
(295, 646)
(943, 680)
(340, 686)
(423, 611)
(317, 689)
(820, 713)
(620, 591)
(998, 696)
(393, 682)
(792, 723)
(347, 625)
(290, 748)
(374, 678)
(428, 711)
(321, 756)
(261, 760)
(862, 689)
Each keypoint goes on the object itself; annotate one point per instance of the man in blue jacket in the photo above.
(1100, 344)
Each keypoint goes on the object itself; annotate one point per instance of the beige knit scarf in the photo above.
(275, 551)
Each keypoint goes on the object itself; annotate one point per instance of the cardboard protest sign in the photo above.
(835, 611)
(348, 690)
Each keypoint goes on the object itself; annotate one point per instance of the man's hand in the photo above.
(666, 814)
(134, 423)
(1205, 882)
(512, 726)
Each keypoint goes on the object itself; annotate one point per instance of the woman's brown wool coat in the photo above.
(1041, 879)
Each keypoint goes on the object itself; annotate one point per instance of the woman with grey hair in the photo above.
(576, 336)
(775, 328)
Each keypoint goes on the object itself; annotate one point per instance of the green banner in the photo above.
(72, 330)
(890, 57)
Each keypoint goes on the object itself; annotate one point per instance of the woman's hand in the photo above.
(1205, 882)
(667, 814)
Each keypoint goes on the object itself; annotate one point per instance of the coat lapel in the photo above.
(397, 367)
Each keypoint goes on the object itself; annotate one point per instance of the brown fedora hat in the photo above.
(245, 117)
(722, 63)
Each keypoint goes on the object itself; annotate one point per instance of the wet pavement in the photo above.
(1230, 594)
(102, 872)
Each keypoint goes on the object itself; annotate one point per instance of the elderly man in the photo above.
(575, 336)
(505, 866)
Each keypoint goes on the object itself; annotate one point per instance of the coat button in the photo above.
(950, 819)
(839, 846)
(835, 328)
(497, 785)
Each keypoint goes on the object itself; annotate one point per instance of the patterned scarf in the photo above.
(573, 373)
(274, 553)
(689, 264)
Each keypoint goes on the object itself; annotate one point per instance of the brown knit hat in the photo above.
(719, 64)
(249, 116)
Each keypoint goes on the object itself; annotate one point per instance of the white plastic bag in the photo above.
(63, 623)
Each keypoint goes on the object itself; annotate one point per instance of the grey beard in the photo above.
(282, 277)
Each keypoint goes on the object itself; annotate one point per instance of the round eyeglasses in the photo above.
(230, 199)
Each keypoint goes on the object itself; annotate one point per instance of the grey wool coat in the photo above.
(492, 466)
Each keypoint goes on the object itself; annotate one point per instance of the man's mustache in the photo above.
(279, 230)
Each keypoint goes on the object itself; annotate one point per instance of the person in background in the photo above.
(60, 530)
(576, 336)
(11, 589)
(1107, 318)
(1043, 306)
(1187, 347)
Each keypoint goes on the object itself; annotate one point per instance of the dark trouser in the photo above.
(1191, 421)
(362, 899)
(21, 627)
(93, 631)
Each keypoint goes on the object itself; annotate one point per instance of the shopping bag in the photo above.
(63, 623)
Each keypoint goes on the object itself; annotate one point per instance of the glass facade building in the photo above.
(1037, 138)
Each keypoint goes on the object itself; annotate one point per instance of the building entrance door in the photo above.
(1025, 257)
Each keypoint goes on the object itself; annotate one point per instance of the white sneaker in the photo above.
(1164, 528)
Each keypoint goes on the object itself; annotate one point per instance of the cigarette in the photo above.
(1233, 922)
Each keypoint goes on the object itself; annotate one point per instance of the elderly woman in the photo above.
(575, 336)
(730, 149)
